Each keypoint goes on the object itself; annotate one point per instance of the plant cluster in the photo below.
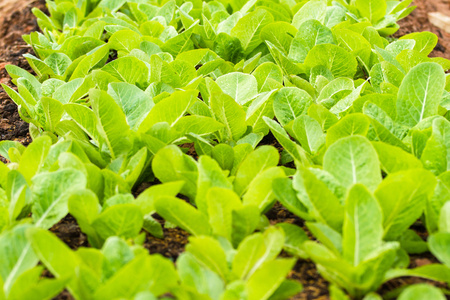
(122, 89)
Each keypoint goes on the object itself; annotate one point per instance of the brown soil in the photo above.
(16, 19)
(69, 232)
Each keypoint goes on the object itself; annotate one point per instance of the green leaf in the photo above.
(55, 255)
(266, 280)
(123, 220)
(245, 221)
(199, 278)
(241, 87)
(171, 164)
(435, 155)
(356, 44)
(6, 145)
(124, 40)
(312, 10)
(385, 72)
(181, 42)
(353, 160)
(352, 124)
(267, 74)
(112, 5)
(287, 289)
(285, 193)
(224, 155)
(363, 230)
(84, 118)
(229, 113)
(421, 291)
(394, 159)
(259, 192)
(89, 62)
(249, 27)
(402, 197)
(288, 66)
(143, 273)
(444, 224)
(310, 33)
(297, 152)
(439, 244)
(308, 133)
(425, 41)
(114, 130)
(413, 243)
(50, 193)
(85, 207)
(420, 93)
(255, 250)
(16, 189)
(33, 157)
(170, 109)
(147, 198)
(279, 34)
(338, 61)
(346, 102)
(374, 10)
(221, 202)
(16, 256)
(209, 252)
(229, 48)
(313, 33)
(58, 62)
(260, 107)
(322, 115)
(182, 214)
(335, 90)
(322, 204)
(41, 68)
(295, 236)
(209, 175)
(290, 103)
(128, 69)
(30, 286)
(259, 160)
(329, 237)
(53, 111)
(135, 103)
(435, 272)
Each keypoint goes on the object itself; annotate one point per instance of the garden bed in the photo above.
(17, 22)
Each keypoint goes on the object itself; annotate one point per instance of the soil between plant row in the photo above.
(17, 22)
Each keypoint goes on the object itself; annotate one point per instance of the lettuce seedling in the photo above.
(119, 216)
(220, 209)
(210, 269)
(349, 259)
(381, 13)
(117, 270)
(439, 242)
(421, 291)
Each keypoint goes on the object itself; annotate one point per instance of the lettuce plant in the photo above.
(310, 188)
(20, 276)
(211, 269)
(229, 207)
(381, 13)
(349, 259)
(421, 291)
(439, 241)
(117, 270)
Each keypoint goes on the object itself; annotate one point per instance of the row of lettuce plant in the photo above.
(122, 87)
